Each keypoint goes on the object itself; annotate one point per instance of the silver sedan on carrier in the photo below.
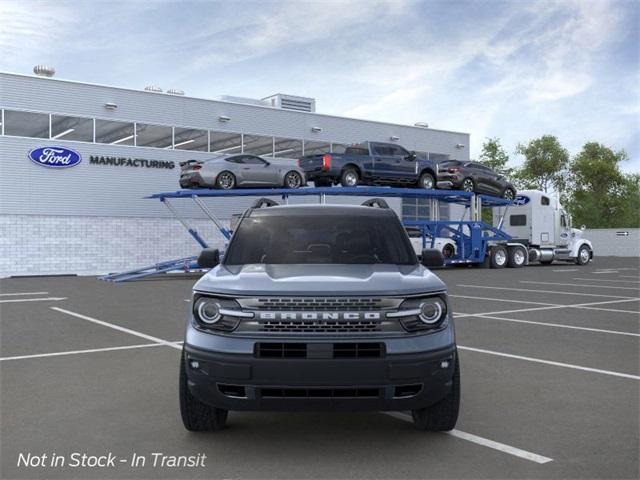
(241, 170)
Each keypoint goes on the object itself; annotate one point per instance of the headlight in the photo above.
(208, 310)
(431, 311)
(217, 313)
(421, 313)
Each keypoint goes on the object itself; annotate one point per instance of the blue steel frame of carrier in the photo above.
(471, 236)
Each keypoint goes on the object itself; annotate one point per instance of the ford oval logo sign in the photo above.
(55, 157)
(521, 200)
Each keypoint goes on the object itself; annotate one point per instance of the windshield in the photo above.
(320, 239)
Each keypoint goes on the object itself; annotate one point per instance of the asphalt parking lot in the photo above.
(550, 385)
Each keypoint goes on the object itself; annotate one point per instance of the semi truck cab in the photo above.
(538, 221)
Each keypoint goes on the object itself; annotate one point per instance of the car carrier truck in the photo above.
(538, 222)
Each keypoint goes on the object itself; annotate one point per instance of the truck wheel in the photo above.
(349, 178)
(584, 255)
(499, 257)
(517, 257)
(198, 416)
(427, 181)
(226, 180)
(442, 416)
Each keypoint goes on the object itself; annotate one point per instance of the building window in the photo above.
(438, 157)
(26, 124)
(314, 148)
(287, 148)
(225, 142)
(157, 136)
(71, 128)
(190, 139)
(258, 145)
(114, 133)
(338, 147)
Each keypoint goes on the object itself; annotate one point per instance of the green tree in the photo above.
(494, 156)
(544, 165)
(600, 195)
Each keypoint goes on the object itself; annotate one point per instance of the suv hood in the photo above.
(338, 280)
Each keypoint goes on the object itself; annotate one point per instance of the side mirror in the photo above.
(209, 258)
(432, 257)
(412, 156)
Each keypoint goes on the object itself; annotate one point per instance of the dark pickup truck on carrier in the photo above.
(371, 163)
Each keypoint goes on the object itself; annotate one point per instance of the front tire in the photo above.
(442, 416)
(293, 180)
(198, 416)
(584, 255)
(427, 181)
(349, 178)
(226, 180)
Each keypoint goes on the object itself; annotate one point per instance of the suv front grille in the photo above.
(318, 304)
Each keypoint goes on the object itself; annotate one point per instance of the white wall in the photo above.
(609, 242)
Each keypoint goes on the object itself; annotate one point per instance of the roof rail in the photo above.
(264, 202)
(373, 202)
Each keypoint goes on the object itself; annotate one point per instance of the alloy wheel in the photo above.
(293, 180)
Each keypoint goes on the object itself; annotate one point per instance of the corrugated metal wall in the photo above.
(101, 190)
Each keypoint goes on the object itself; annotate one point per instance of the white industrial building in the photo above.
(93, 218)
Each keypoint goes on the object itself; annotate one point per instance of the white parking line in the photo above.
(485, 442)
(605, 280)
(502, 300)
(20, 300)
(76, 352)
(628, 276)
(528, 290)
(566, 270)
(23, 293)
(118, 327)
(549, 362)
(558, 325)
(551, 306)
(581, 285)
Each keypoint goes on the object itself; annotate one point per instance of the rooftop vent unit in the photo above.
(175, 91)
(44, 71)
(153, 88)
(291, 102)
(244, 100)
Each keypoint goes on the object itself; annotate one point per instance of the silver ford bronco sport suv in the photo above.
(320, 307)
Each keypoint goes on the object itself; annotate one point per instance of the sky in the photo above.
(509, 69)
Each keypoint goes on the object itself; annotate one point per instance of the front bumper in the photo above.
(393, 382)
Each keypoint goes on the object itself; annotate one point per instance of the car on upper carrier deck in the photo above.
(474, 177)
(241, 170)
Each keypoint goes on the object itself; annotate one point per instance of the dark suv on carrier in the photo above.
(320, 307)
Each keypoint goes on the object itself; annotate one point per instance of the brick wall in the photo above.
(41, 245)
